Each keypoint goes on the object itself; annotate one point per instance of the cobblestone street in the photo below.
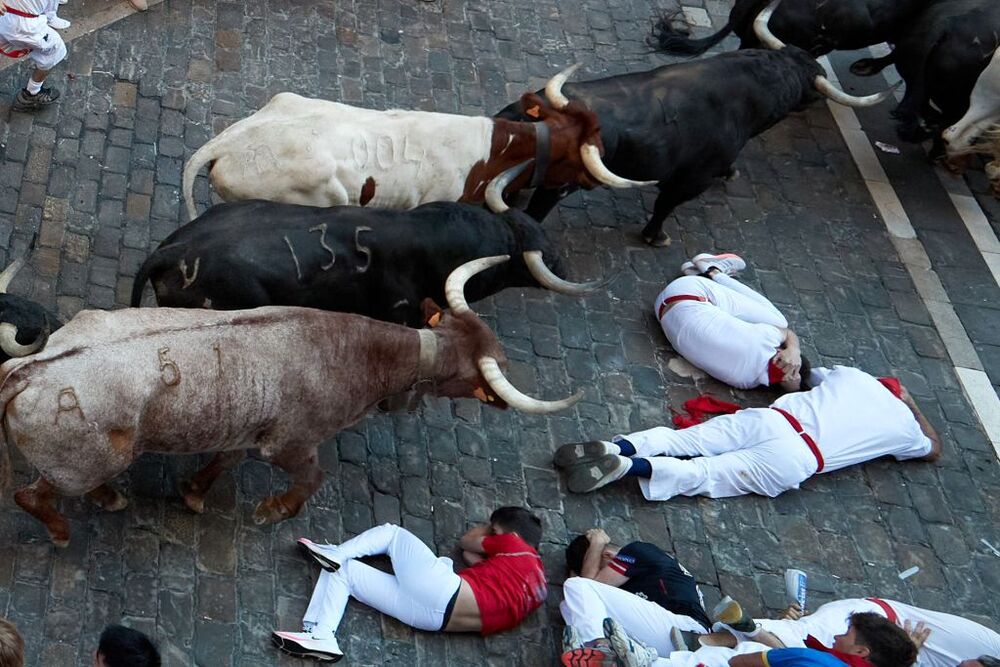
(98, 177)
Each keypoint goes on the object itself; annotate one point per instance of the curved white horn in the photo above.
(454, 286)
(494, 191)
(547, 279)
(9, 344)
(595, 165)
(9, 273)
(764, 33)
(824, 86)
(502, 387)
(553, 89)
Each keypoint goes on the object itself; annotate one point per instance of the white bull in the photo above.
(318, 153)
(980, 122)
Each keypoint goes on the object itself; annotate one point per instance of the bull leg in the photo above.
(195, 490)
(872, 66)
(666, 202)
(303, 467)
(108, 499)
(38, 500)
(544, 200)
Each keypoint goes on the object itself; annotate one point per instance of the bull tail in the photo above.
(669, 40)
(203, 156)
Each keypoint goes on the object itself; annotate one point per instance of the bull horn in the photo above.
(548, 280)
(764, 33)
(502, 387)
(596, 167)
(831, 91)
(9, 344)
(9, 273)
(553, 89)
(494, 191)
(454, 286)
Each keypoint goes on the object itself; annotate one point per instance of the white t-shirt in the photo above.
(853, 418)
(952, 639)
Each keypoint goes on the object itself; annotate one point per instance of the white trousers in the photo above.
(728, 295)
(586, 603)
(417, 594)
(708, 656)
(47, 47)
(753, 451)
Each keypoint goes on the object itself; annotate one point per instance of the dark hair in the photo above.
(11, 645)
(889, 644)
(521, 521)
(575, 552)
(125, 647)
(804, 371)
(989, 661)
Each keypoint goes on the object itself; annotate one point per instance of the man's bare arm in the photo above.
(925, 425)
(592, 558)
(748, 660)
(472, 541)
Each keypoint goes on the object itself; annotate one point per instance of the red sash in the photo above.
(18, 12)
(813, 447)
(674, 299)
(890, 613)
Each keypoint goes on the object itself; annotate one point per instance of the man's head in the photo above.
(11, 645)
(981, 661)
(577, 549)
(517, 520)
(124, 647)
(878, 640)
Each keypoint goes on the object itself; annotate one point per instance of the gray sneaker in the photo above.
(25, 101)
(630, 652)
(587, 477)
(684, 640)
(571, 639)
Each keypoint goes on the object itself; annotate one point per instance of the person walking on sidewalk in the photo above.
(504, 584)
(727, 329)
(848, 417)
(27, 29)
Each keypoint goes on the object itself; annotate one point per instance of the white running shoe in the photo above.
(63, 2)
(689, 269)
(727, 262)
(303, 645)
(59, 23)
(795, 588)
(319, 553)
(587, 477)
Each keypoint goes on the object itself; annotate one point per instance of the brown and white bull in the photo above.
(112, 385)
(978, 131)
(298, 150)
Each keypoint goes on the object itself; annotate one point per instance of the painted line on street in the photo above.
(968, 366)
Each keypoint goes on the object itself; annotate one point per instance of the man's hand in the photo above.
(472, 541)
(789, 360)
(918, 634)
(597, 536)
(792, 613)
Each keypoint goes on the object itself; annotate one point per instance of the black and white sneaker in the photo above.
(319, 553)
(303, 645)
(25, 101)
(580, 452)
(587, 477)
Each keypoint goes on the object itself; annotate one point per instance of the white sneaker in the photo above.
(319, 553)
(63, 2)
(689, 269)
(59, 23)
(303, 645)
(726, 262)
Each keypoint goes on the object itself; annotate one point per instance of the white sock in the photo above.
(33, 86)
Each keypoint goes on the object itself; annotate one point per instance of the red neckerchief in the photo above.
(701, 408)
(852, 660)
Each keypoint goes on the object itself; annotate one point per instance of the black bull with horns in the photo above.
(24, 325)
(683, 125)
(379, 263)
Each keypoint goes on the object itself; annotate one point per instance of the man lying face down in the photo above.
(503, 584)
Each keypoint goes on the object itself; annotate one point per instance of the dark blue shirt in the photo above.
(800, 657)
(655, 575)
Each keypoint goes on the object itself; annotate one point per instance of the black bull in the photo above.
(683, 125)
(377, 263)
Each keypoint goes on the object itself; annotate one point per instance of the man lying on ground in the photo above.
(505, 583)
(847, 417)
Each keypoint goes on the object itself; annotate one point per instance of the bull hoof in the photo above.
(865, 67)
(194, 501)
(661, 240)
(117, 505)
(270, 510)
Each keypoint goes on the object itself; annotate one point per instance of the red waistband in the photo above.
(890, 613)
(674, 299)
(813, 447)
(18, 12)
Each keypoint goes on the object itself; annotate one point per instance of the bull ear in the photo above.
(431, 312)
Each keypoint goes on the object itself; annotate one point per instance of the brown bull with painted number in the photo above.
(112, 385)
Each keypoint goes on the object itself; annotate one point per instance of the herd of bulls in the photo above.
(378, 216)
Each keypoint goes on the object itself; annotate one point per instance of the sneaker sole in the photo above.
(324, 562)
(297, 650)
(582, 478)
(579, 452)
(585, 657)
(726, 609)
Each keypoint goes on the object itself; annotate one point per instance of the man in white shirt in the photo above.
(26, 30)
(848, 417)
(727, 329)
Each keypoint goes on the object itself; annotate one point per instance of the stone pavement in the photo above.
(98, 178)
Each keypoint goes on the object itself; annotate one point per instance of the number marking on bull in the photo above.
(68, 402)
(170, 374)
(384, 151)
(321, 228)
(291, 249)
(218, 356)
(189, 280)
(364, 250)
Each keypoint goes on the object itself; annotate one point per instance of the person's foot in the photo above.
(587, 477)
(630, 652)
(684, 640)
(579, 452)
(570, 639)
(689, 269)
(726, 262)
(303, 645)
(25, 101)
(59, 23)
(730, 616)
(63, 2)
(319, 553)
(589, 656)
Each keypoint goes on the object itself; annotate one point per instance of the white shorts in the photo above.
(45, 46)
